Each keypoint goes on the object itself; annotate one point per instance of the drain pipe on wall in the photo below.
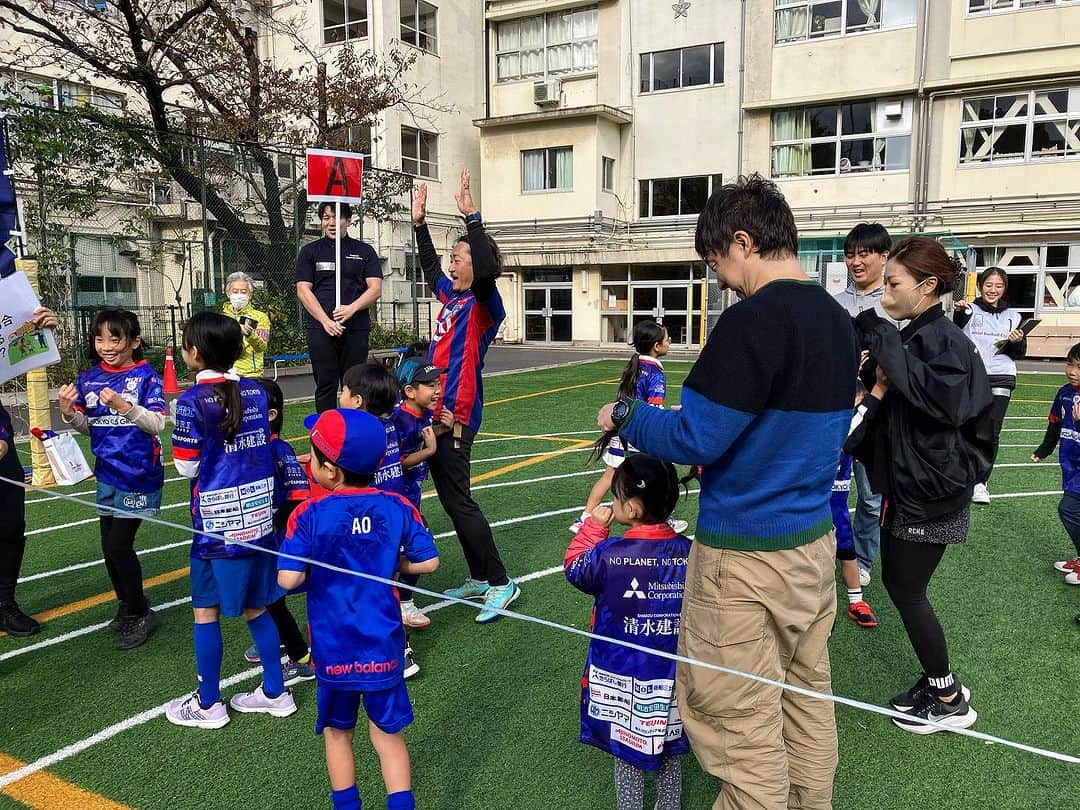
(925, 108)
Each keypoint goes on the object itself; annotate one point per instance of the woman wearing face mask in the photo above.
(926, 438)
(995, 329)
(254, 324)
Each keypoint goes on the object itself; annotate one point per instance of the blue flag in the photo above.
(9, 220)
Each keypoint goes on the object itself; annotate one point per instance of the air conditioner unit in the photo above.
(548, 93)
(894, 110)
(126, 247)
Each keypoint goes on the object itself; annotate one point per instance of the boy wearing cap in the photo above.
(357, 638)
(420, 390)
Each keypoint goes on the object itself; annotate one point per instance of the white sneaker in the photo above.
(412, 617)
(1073, 578)
(257, 701)
(864, 577)
(411, 667)
(678, 526)
(188, 712)
(981, 494)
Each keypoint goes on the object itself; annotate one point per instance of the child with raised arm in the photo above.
(356, 633)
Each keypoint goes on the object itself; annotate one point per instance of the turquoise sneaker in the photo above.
(470, 589)
(498, 598)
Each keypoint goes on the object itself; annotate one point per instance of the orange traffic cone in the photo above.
(169, 383)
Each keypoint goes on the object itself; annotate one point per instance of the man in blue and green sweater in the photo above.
(765, 411)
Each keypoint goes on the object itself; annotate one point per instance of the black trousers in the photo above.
(12, 525)
(998, 407)
(451, 469)
(296, 646)
(122, 563)
(330, 358)
(906, 571)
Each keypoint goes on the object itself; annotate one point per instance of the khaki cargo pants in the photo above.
(768, 613)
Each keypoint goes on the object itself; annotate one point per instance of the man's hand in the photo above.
(65, 399)
(419, 205)
(446, 418)
(333, 328)
(344, 312)
(603, 515)
(111, 399)
(603, 419)
(464, 198)
(1035, 458)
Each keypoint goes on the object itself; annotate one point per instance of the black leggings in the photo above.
(122, 563)
(296, 645)
(13, 524)
(998, 407)
(906, 571)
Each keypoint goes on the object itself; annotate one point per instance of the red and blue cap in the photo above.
(353, 440)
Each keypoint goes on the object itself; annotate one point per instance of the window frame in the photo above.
(1014, 6)
(345, 25)
(548, 152)
(651, 55)
(713, 182)
(789, 5)
(419, 133)
(547, 45)
(1031, 118)
(416, 30)
(607, 178)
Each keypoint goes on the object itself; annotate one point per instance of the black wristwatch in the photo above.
(620, 411)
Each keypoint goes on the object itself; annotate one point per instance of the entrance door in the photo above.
(668, 304)
(548, 314)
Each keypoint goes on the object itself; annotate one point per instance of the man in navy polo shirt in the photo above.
(337, 335)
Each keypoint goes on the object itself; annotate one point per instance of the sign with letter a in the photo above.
(334, 176)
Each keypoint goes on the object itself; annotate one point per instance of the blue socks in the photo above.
(346, 799)
(267, 642)
(208, 653)
(402, 800)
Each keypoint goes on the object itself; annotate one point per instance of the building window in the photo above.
(358, 138)
(344, 20)
(607, 174)
(863, 136)
(547, 169)
(40, 91)
(1025, 127)
(683, 67)
(677, 196)
(547, 45)
(103, 275)
(418, 25)
(998, 6)
(420, 153)
(797, 20)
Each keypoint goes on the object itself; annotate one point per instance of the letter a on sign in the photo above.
(334, 176)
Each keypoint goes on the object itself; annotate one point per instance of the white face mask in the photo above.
(239, 301)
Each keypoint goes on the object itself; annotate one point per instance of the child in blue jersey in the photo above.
(119, 403)
(628, 705)
(356, 633)
(416, 441)
(644, 379)
(1064, 426)
(221, 441)
(373, 388)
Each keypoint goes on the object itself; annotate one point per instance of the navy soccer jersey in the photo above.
(233, 491)
(357, 640)
(1061, 412)
(389, 476)
(411, 425)
(290, 478)
(652, 383)
(845, 539)
(126, 457)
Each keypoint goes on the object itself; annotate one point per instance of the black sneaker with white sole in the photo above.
(411, 667)
(957, 714)
(906, 701)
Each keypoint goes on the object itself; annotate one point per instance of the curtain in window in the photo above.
(584, 55)
(560, 58)
(585, 23)
(791, 125)
(870, 9)
(791, 24)
(564, 168)
(559, 27)
(532, 46)
(532, 170)
(508, 36)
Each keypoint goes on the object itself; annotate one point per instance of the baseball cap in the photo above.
(353, 440)
(417, 370)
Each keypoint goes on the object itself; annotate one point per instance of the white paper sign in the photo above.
(23, 347)
(836, 277)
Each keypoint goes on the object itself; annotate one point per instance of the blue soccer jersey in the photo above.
(232, 489)
(290, 479)
(652, 382)
(357, 640)
(411, 425)
(126, 457)
(389, 476)
(1061, 412)
(845, 539)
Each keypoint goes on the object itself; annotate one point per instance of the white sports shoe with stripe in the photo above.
(256, 701)
(188, 712)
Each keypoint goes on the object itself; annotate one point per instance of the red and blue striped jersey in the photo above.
(463, 332)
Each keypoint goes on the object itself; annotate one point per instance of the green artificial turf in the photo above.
(497, 706)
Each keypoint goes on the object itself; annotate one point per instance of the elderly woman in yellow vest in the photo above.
(254, 324)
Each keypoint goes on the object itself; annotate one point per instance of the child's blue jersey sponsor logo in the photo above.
(410, 432)
(389, 477)
(1069, 448)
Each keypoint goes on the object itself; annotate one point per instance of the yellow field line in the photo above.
(519, 465)
(562, 439)
(550, 391)
(44, 791)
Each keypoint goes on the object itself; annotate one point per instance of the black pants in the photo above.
(12, 524)
(906, 571)
(451, 469)
(998, 407)
(122, 563)
(1069, 512)
(296, 645)
(330, 358)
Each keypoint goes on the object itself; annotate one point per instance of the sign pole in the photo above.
(337, 254)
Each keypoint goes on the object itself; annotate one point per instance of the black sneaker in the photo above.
(136, 630)
(16, 623)
(957, 714)
(118, 620)
(906, 701)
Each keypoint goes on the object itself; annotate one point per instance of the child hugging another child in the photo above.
(119, 404)
(637, 581)
(356, 632)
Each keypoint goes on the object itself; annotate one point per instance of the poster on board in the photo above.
(23, 347)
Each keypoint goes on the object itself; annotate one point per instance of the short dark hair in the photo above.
(376, 384)
(496, 253)
(752, 204)
(346, 209)
(993, 271)
(351, 479)
(1074, 354)
(870, 236)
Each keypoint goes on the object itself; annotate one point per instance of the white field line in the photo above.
(74, 523)
(536, 436)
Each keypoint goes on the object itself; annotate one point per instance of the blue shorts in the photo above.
(235, 583)
(139, 504)
(389, 709)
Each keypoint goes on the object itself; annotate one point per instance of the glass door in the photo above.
(667, 304)
(548, 314)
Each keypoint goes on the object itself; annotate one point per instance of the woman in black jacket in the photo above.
(925, 436)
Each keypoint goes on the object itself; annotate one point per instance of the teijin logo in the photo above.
(634, 590)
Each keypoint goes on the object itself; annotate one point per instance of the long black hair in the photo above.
(220, 344)
(120, 324)
(652, 481)
(646, 335)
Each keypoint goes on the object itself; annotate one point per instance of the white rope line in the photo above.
(844, 701)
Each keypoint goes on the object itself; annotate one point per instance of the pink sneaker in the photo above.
(412, 617)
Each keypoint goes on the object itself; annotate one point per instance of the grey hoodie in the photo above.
(855, 302)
